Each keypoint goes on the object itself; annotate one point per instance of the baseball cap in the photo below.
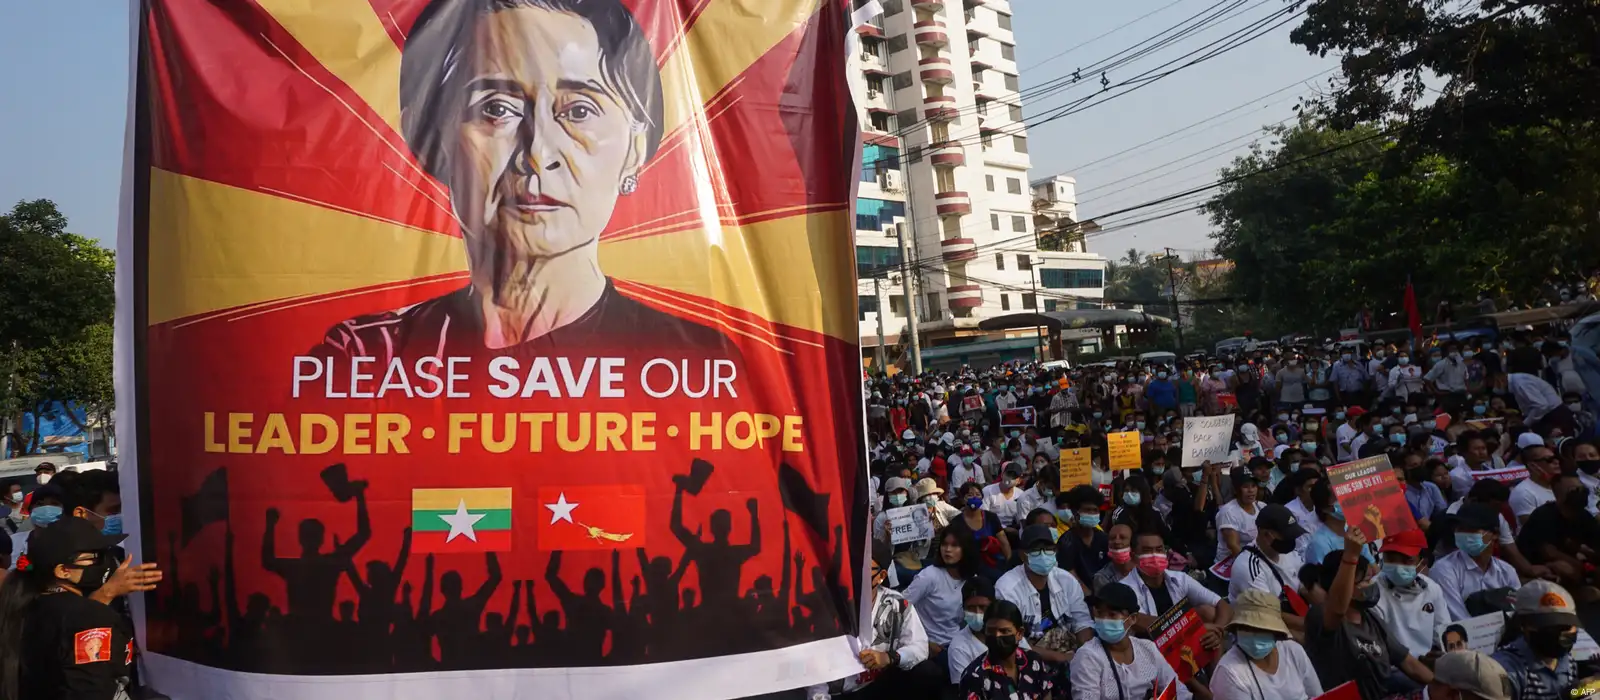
(1473, 672)
(1545, 604)
(1034, 535)
(1116, 596)
(1529, 439)
(1355, 411)
(909, 434)
(1410, 543)
(1279, 519)
(1478, 516)
(64, 540)
(898, 483)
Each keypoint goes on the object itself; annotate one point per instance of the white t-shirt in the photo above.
(1232, 516)
(1179, 586)
(1253, 572)
(1346, 434)
(937, 597)
(1308, 520)
(1238, 679)
(1003, 505)
(1526, 496)
(1095, 678)
(1416, 616)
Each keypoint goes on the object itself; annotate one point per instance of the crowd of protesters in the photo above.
(1035, 588)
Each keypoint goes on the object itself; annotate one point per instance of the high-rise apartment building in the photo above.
(946, 163)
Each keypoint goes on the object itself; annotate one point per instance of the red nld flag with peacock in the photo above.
(510, 338)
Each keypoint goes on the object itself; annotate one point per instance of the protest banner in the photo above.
(1207, 439)
(1344, 691)
(1076, 468)
(436, 314)
(1371, 497)
(1168, 693)
(1505, 475)
(972, 403)
(1177, 633)
(1122, 450)
(1481, 633)
(909, 524)
(1020, 417)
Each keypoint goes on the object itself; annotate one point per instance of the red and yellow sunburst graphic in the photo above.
(279, 180)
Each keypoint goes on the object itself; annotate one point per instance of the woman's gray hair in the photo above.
(433, 79)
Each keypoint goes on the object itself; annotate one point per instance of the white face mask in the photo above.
(44, 479)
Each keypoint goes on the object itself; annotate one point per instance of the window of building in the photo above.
(1052, 278)
(994, 221)
(1019, 144)
(1008, 51)
(999, 261)
(1016, 113)
(1005, 301)
(932, 308)
(1012, 84)
(1003, 19)
(875, 214)
(896, 307)
(1027, 300)
(987, 139)
(1014, 185)
(944, 180)
(1050, 305)
(1019, 224)
(1024, 262)
(983, 107)
(877, 158)
(883, 122)
(898, 43)
(892, 7)
(988, 181)
(867, 304)
(902, 80)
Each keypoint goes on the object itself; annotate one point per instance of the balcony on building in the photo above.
(980, 63)
(940, 108)
(953, 203)
(929, 5)
(870, 29)
(873, 64)
(964, 296)
(946, 153)
(958, 249)
(930, 32)
(975, 32)
(936, 70)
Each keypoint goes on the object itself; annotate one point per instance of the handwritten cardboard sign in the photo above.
(1075, 468)
(1207, 439)
(909, 524)
(1371, 497)
(1122, 450)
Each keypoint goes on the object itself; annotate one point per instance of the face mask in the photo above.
(974, 503)
(1196, 476)
(1110, 631)
(1403, 360)
(1064, 516)
(1552, 643)
(1001, 647)
(44, 516)
(1379, 354)
(1161, 375)
(1575, 407)
(1308, 446)
(112, 526)
(1472, 543)
(1138, 425)
(1468, 354)
(1282, 546)
(974, 621)
(1098, 415)
(1042, 563)
(1131, 498)
(16, 497)
(897, 499)
(1015, 434)
(44, 479)
(1255, 644)
(1398, 438)
(1589, 466)
(1338, 415)
(1366, 598)
(1152, 564)
(1283, 418)
(1007, 483)
(1158, 469)
(1281, 437)
(1400, 574)
(1120, 556)
(95, 575)
(1089, 520)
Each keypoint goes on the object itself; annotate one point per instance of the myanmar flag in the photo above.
(609, 516)
(449, 521)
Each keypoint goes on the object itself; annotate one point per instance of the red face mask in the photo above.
(1152, 564)
(1120, 556)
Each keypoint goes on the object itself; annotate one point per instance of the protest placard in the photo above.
(1481, 633)
(1075, 468)
(1371, 497)
(1344, 691)
(1019, 417)
(972, 403)
(1177, 634)
(1206, 439)
(1504, 475)
(1122, 450)
(909, 524)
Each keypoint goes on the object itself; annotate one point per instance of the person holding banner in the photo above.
(1271, 565)
(1264, 663)
(1115, 665)
(1158, 589)
(1343, 637)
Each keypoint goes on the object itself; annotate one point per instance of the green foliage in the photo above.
(58, 294)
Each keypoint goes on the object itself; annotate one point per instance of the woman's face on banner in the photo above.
(544, 140)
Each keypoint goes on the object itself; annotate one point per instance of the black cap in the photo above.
(1033, 535)
(1477, 516)
(64, 540)
(1240, 475)
(1280, 520)
(1115, 596)
(1260, 462)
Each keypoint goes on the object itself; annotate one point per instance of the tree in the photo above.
(58, 294)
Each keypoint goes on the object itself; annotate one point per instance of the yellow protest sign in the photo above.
(1122, 450)
(1075, 469)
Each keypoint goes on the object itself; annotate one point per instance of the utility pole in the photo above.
(1172, 286)
(1038, 304)
(877, 297)
(910, 294)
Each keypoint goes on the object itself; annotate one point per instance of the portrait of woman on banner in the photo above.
(538, 115)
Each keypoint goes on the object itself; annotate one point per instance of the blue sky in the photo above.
(61, 126)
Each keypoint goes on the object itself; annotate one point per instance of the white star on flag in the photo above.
(561, 510)
(461, 522)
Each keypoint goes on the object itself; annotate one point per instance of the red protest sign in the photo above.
(1347, 691)
(972, 403)
(1371, 497)
(1504, 475)
(1170, 692)
(1017, 417)
(1177, 633)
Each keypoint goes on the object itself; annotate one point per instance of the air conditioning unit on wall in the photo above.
(891, 181)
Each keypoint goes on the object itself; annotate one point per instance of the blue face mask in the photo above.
(1255, 644)
(1398, 438)
(897, 499)
(1480, 409)
(113, 525)
(1064, 515)
(1472, 543)
(1015, 434)
(1098, 415)
(974, 503)
(1041, 563)
(1139, 425)
(974, 621)
(1196, 476)
(1338, 415)
(1399, 574)
(1131, 498)
(44, 516)
(1110, 631)
(1089, 520)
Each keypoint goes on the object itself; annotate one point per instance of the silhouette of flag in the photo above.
(1413, 317)
(449, 521)
(208, 504)
(608, 516)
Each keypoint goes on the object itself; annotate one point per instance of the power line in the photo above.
(1105, 34)
(1229, 144)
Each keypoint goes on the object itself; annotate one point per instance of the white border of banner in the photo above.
(123, 365)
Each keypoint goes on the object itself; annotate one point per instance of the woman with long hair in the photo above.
(936, 591)
(59, 637)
